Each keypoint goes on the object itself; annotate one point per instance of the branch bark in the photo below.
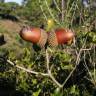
(49, 71)
(27, 70)
(63, 7)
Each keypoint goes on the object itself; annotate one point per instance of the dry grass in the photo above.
(10, 25)
(10, 30)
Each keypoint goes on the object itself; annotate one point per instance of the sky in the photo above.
(18, 1)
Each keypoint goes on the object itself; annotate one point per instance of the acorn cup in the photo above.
(52, 39)
(59, 37)
(34, 35)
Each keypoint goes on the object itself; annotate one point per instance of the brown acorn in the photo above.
(60, 36)
(34, 35)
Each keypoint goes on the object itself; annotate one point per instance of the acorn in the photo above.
(34, 35)
(59, 37)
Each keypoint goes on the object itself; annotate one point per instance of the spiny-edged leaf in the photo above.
(57, 92)
(74, 90)
(37, 93)
(34, 81)
(67, 67)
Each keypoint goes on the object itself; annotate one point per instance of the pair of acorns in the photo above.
(41, 37)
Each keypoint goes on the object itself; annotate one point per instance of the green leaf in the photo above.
(74, 90)
(34, 81)
(37, 93)
(57, 92)
(67, 67)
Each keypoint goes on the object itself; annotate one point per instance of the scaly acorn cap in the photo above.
(43, 39)
(52, 39)
(60, 36)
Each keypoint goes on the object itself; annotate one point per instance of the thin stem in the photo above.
(27, 70)
(51, 14)
(94, 64)
(77, 63)
(47, 60)
(63, 7)
(49, 71)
